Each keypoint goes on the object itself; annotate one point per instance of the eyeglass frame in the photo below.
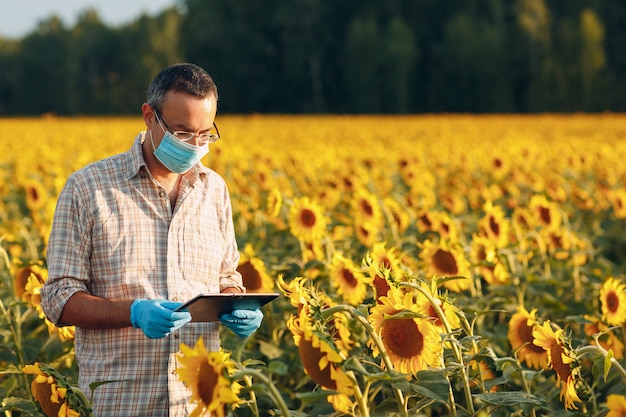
(210, 137)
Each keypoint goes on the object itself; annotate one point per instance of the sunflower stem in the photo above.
(280, 402)
(381, 347)
(455, 347)
(598, 349)
(253, 405)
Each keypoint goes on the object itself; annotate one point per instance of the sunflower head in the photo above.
(616, 405)
(613, 300)
(446, 260)
(348, 280)
(253, 272)
(562, 360)
(207, 374)
(411, 340)
(54, 393)
(382, 269)
(306, 220)
(521, 338)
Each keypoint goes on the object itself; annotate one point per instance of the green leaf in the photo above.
(278, 368)
(19, 404)
(607, 364)
(270, 350)
(510, 398)
(432, 385)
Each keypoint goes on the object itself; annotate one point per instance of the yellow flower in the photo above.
(617, 405)
(488, 265)
(521, 338)
(397, 214)
(322, 358)
(450, 312)
(383, 268)
(618, 201)
(51, 390)
(545, 213)
(366, 208)
(607, 340)
(348, 280)
(494, 225)
(412, 343)
(253, 272)
(613, 300)
(561, 360)
(207, 376)
(445, 260)
(306, 220)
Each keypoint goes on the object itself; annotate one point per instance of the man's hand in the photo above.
(242, 322)
(157, 318)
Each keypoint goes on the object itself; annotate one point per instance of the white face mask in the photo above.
(176, 155)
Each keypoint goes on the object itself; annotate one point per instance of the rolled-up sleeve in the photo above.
(68, 252)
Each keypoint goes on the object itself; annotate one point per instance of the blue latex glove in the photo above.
(242, 322)
(157, 318)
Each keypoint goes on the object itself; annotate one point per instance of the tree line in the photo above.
(343, 56)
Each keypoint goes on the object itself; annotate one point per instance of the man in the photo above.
(134, 236)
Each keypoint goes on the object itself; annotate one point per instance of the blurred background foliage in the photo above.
(345, 56)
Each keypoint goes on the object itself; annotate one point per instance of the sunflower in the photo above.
(321, 358)
(483, 370)
(306, 220)
(366, 208)
(545, 213)
(607, 339)
(616, 405)
(494, 225)
(348, 280)
(618, 201)
(274, 204)
(561, 359)
(438, 222)
(295, 290)
(484, 255)
(207, 376)
(383, 268)
(54, 394)
(35, 272)
(520, 336)
(366, 232)
(425, 307)
(36, 195)
(445, 260)
(412, 343)
(613, 300)
(253, 272)
(397, 214)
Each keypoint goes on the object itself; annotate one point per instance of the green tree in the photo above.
(473, 61)
(400, 53)
(362, 65)
(592, 56)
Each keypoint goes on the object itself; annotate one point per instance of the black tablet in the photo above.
(209, 307)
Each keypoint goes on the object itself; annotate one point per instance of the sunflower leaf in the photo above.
(432, 385)
(19, 404)
(607, 363)
(510, 398)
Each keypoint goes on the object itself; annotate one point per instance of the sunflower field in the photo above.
(448, 265)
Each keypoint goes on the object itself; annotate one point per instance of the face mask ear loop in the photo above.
(152, 141)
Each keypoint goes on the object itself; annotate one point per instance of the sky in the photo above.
(20, 17)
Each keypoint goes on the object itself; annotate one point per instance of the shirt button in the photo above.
(161, 194)
(176, 336)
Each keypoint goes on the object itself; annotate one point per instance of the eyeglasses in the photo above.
(203, 138)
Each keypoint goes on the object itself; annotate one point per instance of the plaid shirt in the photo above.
(115, 236)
